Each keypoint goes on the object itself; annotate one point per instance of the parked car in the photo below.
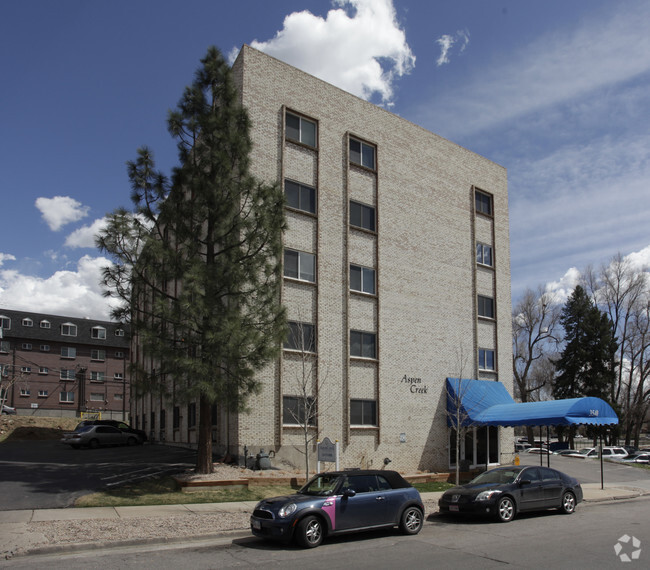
(565, 452)
(339, 502)
(630, 449)
(521, 447)
(8, 409)
(538, 451)
(636, 458)
(140, 434)
(505, 491)
(94, 436)
(610, 452)
(585, 453)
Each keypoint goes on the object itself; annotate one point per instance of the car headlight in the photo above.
(487, 495)
(287, 510)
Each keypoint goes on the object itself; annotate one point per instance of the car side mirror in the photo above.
(524, 482)
(349, 493)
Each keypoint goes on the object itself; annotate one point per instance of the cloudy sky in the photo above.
(557, 92)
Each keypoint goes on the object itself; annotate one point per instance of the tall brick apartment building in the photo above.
(61, 366)
(396, 277)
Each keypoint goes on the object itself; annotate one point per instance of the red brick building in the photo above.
(62, 366)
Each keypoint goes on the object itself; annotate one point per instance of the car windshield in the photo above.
(321, 485)
(584, 451)
(496, 476)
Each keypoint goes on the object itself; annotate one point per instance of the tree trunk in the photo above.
(204, 462)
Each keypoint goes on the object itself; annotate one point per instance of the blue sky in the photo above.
(557, 92)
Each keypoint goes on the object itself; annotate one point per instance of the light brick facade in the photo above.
(424, 313)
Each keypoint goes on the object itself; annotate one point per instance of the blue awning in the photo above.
(483, 402)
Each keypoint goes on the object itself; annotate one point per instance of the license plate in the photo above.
(453, 508)
(257, 525)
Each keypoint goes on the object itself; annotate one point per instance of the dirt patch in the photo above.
(34, 428)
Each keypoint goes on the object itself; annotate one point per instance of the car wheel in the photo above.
(310, 532)
(411, 522)
(506, 510)
(132, 441)
(93, 444)
(568, 503)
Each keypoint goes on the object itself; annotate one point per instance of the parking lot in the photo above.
(49, 474)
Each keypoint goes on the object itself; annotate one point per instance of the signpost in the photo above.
(328, 451)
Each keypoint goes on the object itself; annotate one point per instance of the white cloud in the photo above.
(85, 236)
(61, 210)
(358, 47)
(640, 260)
(447, 42)
(603, 50)
(563, 288)
(74, 293)
(6, 257)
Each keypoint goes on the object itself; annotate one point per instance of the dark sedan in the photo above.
(340, 502)
(506, 491)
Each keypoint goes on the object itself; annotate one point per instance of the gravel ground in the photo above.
(191, 525)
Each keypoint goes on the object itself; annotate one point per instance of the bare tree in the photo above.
(303, 387)
(535, 339)
(622, 290)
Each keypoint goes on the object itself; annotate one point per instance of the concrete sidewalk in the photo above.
(19, 537)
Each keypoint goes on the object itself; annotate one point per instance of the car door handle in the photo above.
(381, 498)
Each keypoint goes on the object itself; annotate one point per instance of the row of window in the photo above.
(67, 329)
(305, 131)
(70, 374)
(303, 411)
(68, 397)
(302, 337)
(66, 351)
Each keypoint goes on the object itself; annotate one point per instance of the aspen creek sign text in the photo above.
(415, 385)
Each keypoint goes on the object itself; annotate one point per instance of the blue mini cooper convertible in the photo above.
(340, 502)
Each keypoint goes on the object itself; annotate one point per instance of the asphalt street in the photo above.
(49, 474)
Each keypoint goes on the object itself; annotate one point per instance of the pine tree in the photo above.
(587, 364)
(197, 264)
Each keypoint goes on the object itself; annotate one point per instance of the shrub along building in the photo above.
(396, 277)
(63, 366)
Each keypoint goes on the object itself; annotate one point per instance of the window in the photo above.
(363, 344)
(302, 336)
(45, 348)
(363, 412)
(119, 332)
(66, 374)
(26, 369)
(68, 352)
(300, 265)
(362, 154)
(43, 370)
(485, 307)
(297, 410)
(300, 197)
(362, 216)
(43, 393)
(96, 397)
(118, 397)
(46, 324)
(25, 392)
(484, 254)
(98, 332)
(176, 417)
(300, 129)
(118, 376)
(483, 203)
(98, 354)
(119, 354)
(191, 415)
(4, 346)
(66, 397)
(96, 376)
(362, 279)
(485, 359)
(68, 329)
(27, 345)
(5, 322)
(27, 322)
